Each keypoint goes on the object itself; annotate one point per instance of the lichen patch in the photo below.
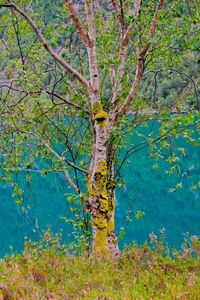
(99, 114)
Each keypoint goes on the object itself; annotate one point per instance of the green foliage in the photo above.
(80, 224)
(139, 214)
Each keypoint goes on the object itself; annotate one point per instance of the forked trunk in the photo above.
(101, 190)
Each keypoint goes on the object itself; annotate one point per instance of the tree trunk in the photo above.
(101, 191)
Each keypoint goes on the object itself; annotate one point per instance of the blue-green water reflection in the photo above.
(146, 189)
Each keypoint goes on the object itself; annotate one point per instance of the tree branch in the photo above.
(6, 5)
(146, 144)
(19, 169)
(140, 63)
(66, 101)
(155, 19)
(125, 39)
(16, 29)
(119, 16)
(93, 66)
(49, 93)
(77, 22)
(64, 159)
(48, 48)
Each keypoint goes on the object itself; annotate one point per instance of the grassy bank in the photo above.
(45, 270)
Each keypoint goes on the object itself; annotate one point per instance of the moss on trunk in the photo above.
(102, 210)
(99, 114)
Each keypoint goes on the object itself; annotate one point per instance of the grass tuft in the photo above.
(46, 270)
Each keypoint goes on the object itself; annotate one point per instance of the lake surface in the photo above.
(146, 190)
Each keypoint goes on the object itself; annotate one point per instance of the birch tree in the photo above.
(118, 44)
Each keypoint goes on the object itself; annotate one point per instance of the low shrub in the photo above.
(47, 270)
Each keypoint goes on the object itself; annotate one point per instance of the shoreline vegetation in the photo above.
(49, 270)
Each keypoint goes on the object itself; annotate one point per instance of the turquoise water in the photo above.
(146, 190)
